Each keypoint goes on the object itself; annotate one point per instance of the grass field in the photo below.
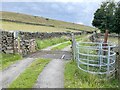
(8, 59)
(76, 78)
(49, 42)
(113, 39)
(57, 25)
(82, 38)
(28, 78)
(62, 46)
(77, 38)
(12, 26)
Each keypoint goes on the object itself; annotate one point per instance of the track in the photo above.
(57, 65)
(52, 55)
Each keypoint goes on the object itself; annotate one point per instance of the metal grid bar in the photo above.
(105, 57)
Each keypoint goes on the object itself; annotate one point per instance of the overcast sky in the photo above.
(77, 11)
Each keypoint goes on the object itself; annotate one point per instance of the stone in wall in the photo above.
(26, 43)
(7, 41)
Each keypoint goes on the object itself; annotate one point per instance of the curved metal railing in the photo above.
(96, 57)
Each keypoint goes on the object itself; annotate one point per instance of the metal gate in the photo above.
(95, 58)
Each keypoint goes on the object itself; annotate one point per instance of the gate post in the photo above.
(13, 41)
(73, 47)
(16, 42)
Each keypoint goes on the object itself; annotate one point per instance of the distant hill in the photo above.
(18, 21)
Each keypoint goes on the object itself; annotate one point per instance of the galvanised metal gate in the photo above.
(95, 58)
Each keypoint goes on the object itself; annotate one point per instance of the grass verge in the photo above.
(82, 38)
(61, 46)
(76, 78)
(49, 42)
(8, 59)
(28, 78)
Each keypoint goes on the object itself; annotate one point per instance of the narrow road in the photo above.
(52, 54)
(53, 74)
(11, 73)
(68, 48)
(51, 77)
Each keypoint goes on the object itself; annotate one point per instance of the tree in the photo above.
(117, 19)
(104, 17)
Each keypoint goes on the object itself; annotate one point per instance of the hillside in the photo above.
(18, 21)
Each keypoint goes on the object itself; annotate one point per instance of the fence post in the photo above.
(16, 42)
(108, 62)
(13, 42)
(78, 56)
(73, 47)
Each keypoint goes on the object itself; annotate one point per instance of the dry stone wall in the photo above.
(24, 42)
(7, 42)
(46, 35)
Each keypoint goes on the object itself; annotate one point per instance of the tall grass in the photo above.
(76, 78)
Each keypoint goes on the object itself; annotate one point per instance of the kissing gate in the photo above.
(95, 58)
